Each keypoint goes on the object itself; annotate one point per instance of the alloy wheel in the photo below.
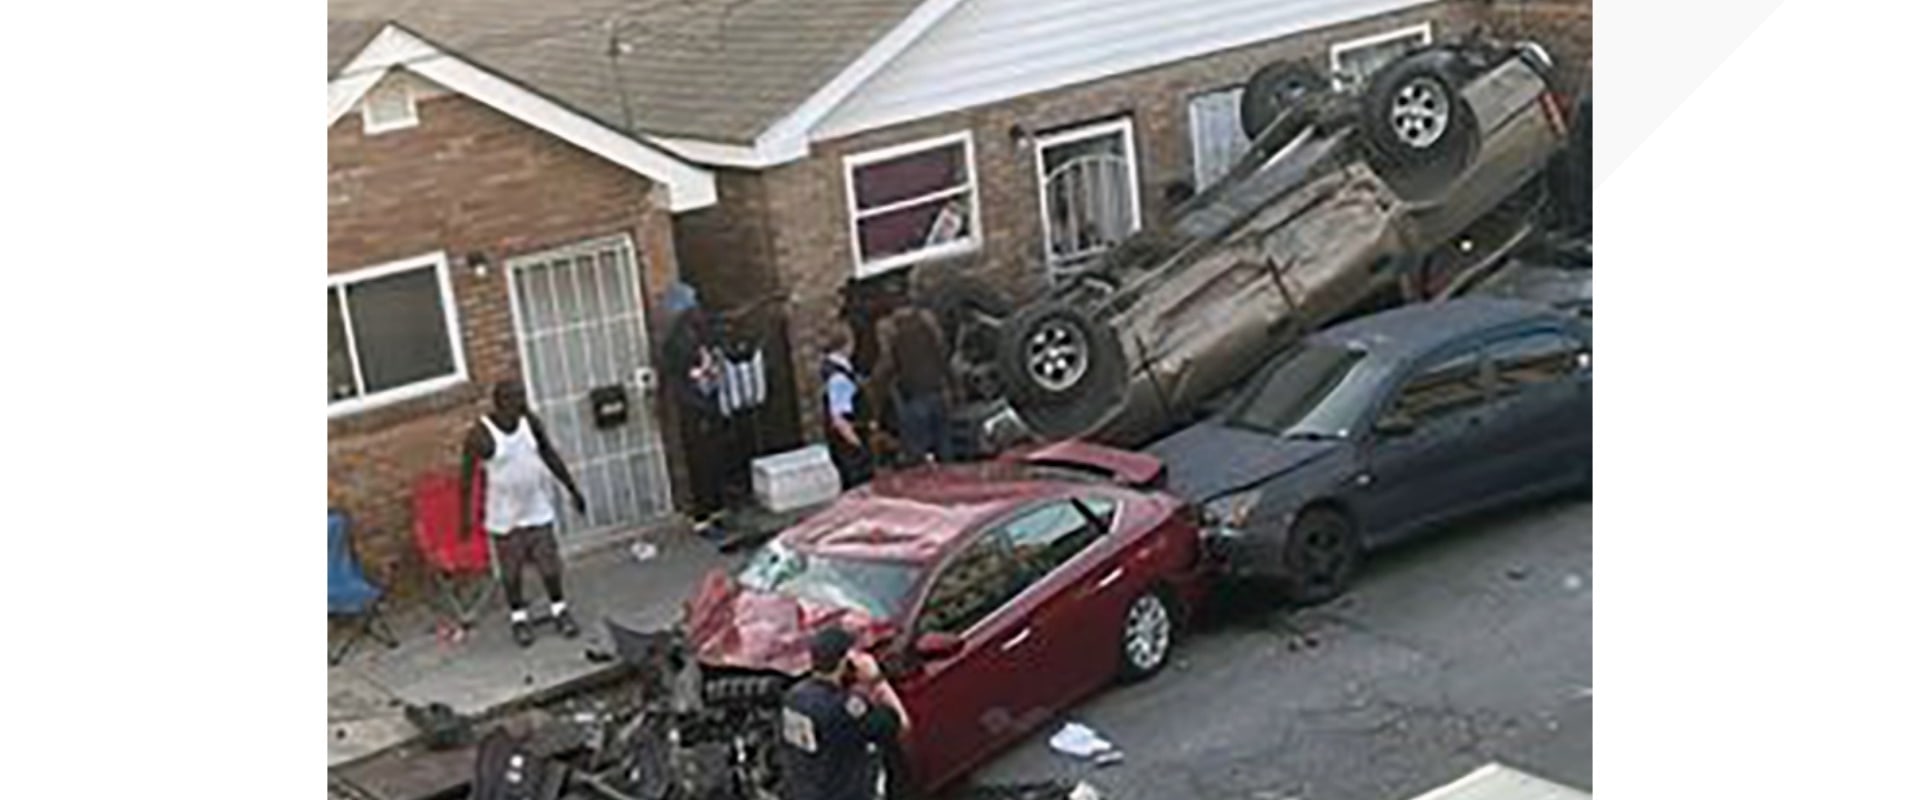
(1057, 356)
(1420, 112)
(1149, 630)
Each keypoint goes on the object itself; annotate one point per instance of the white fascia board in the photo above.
(788, 138)
(715, 154)
(688, 187)
(1026, 81)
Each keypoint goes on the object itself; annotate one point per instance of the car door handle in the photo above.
(1017, 640)
(1111, 578)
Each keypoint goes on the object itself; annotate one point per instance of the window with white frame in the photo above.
(391, 334)
(1354, 60)
(912, 203)
(1089, 192)
(1213, 122)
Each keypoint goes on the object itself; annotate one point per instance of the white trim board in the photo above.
(994, 50)
(1423, 31)
(688, 186)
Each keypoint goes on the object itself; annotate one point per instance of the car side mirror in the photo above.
(938, 646)
(1393, 426)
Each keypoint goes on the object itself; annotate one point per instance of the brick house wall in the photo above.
(806, 206)
(1564, 27)
(727, 252)
(466, 179)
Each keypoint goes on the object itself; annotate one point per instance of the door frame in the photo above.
(589, 538)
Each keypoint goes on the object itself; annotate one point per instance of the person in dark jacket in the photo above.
(691, 371)
(836, 723)
(912, 369)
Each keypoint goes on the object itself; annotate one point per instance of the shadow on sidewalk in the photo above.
(482, 673)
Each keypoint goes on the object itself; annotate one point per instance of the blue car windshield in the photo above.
(879, 589)
(1309, 391)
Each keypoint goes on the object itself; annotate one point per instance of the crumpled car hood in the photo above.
(1209, 458)
(730, 626)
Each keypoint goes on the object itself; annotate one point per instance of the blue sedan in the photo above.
(1381, 427)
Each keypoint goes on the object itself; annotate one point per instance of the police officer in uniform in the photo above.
(838, 723)
(845, 411)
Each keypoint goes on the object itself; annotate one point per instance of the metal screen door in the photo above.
(581, 326)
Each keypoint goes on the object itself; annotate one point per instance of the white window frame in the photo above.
(1193, 131)
(863, 268)
(1422, 31)
(1124, 125)
(395, 82)
(364, 402)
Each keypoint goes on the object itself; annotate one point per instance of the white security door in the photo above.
(581, 326)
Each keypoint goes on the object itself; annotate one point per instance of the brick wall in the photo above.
(466, 179)
(1564, 27)
(806, 202)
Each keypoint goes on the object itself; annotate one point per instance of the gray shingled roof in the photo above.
(344, 40)
(719, 70)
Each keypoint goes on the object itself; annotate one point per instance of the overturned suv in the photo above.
(1435, 159)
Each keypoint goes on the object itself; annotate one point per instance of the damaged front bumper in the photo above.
(684, 731)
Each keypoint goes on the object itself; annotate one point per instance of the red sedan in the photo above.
(996, 594)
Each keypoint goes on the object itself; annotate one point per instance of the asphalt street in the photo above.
(1470, 646)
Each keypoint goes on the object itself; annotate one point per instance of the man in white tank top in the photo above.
(512, 444)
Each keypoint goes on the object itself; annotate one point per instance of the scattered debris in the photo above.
(1573, 583)
(1109, 758)
(1079, 741)
(1516, 573)
(598, 655)
(644, 550)
(1042, 790)
(443, 728)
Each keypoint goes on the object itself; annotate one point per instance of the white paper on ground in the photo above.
(1079, 741)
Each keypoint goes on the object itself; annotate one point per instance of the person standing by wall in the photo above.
(692, 373)
(912, 369)
(513, 445)
(846, 412)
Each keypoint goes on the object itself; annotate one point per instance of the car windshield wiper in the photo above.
(1311, 436)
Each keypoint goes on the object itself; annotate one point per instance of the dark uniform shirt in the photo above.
(826, 733)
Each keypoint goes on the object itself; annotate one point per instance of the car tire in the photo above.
(1321, 556)
(1575, 173)
(1146, 635)
(1275, 88)
(1063, 371)
(972, 314)
(1414, 121)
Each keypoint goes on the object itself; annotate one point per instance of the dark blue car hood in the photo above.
(1209, 458)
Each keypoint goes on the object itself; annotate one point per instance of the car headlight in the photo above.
(1228, 515)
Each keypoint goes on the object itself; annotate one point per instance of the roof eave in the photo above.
(688, 186)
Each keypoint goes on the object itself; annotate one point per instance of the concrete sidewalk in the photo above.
(484, 673)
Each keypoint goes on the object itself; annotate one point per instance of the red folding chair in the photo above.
(452, 562)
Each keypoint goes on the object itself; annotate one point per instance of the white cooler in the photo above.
(795, 479)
